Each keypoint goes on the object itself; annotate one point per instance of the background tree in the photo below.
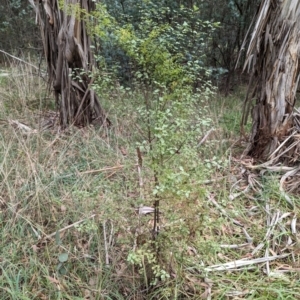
(18, 33)
(234, 17)
(189, 35)
(273, 58)
(67, 48)
(213, 54)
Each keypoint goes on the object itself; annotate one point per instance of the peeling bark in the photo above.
(273, 59)
(70, 60)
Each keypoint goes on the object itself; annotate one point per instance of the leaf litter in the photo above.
(280, 241)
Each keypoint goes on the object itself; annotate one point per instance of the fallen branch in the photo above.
(21, 60)
(291, 173)
(205, 137)
(271, 157)
(21, 126)
(244, 262)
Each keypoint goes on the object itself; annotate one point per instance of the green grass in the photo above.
(51, 180)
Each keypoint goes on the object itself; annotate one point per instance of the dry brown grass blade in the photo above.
(102, 170)
(288, 174)
(69, 226)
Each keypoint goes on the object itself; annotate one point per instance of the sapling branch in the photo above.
(139, 168)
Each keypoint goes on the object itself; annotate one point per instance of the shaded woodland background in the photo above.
(214, 50)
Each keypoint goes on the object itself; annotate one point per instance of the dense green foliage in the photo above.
(155, 43)
(18, 33)
(167, 61)
(196, 37)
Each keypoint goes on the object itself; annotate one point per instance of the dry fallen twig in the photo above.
(105, 244)
(290, 173)
(205, 137)
(21, 60)
(244, 262)
(70, 226)
(22, 127)
(223, 211)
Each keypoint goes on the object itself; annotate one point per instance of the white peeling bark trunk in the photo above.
(273, 58)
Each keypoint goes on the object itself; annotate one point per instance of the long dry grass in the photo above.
(69, 221)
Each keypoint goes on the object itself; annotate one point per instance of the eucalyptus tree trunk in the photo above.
(273, 58)
(67, 48)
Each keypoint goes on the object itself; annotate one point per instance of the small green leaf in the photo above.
(57, 238)
(63, 270)
(59, 266)
(63, 257)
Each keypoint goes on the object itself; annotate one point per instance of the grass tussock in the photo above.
(69, 201)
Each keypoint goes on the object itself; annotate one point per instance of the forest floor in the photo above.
(70, 226)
